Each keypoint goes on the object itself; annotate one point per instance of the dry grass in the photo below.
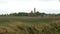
(30, 29)
(16, 26)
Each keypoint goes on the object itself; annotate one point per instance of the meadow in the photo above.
(29, 25)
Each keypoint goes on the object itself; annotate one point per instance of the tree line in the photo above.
(30, 14)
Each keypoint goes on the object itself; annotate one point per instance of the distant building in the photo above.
(31, 13)
(34, 10)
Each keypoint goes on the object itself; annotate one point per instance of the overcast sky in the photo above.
(47, 6)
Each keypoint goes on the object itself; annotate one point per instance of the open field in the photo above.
(29, 25)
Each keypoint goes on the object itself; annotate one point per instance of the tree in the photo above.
(31, 13)
(37, 13)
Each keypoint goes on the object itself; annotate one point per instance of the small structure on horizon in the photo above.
(34, 10)
(32, 13)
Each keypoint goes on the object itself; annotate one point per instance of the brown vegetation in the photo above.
(16, 25)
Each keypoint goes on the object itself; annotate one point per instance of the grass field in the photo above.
(29, 25)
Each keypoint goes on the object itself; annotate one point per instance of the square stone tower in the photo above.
(34, 10)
